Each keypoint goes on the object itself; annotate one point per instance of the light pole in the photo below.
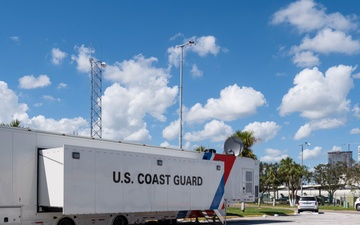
(302, 165)
(181, 88)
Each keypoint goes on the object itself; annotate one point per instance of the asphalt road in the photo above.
(304, 218)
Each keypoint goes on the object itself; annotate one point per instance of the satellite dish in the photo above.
(233, 146)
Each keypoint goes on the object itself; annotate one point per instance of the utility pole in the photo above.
(302, 165)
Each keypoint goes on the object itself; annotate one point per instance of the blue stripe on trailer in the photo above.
(207, 156)
(218, 195)
(181, 214)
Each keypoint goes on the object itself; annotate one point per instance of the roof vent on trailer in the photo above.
(210, 150)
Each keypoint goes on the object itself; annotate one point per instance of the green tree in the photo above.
(200, 148)
(248, 139)
(273, 177)
(291, 173)
(269, 177)
(354, 176)
(13, 123)
(331, 177)
(263, 184)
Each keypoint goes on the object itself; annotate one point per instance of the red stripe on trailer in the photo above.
(195, 214)
(229, 161)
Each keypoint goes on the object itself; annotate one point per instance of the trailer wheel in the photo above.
(120, 220)
(66, 221)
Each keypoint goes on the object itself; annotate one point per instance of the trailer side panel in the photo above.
(106, 181)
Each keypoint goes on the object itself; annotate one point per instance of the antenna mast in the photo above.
(95, 97)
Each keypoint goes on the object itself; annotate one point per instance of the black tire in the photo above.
(299, 211)
(358, 207)
(120, 220)
(173, 221)
(168, 222)
(66, 221)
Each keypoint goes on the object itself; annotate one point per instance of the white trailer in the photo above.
(48, 178)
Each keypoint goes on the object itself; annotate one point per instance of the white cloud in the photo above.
(307, 15)
(326, 41)
(263, 131)
(65, 125)
(356, 76)
(82, 58)
(57, 56)
(139, 72)
(303, 132)
(166, 144)
(203, 46)
(174, 56)
(273, 155)
(31, 82)
(316, 95)
(228, 107)
(355, 131)
(139, 135)
(336, 149)
(214, 130)
(310, 153)
(234, 102)
(322, 99)
(306, 59)
(62, 85)
(356, 111)
(330, 41)
(15, 39)
(176, 36)
(172, 131)
(10, 107)
(327, 123)
(143, 89)
(196, 72)
(51, 98)
(332, 31)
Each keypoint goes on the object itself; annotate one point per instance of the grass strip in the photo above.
(259, 211)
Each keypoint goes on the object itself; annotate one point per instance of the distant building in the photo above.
(340, 156)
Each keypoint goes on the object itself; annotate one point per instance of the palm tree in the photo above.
(291, 173)
(248, 139)
(200, 148)
(13, 123)
(269, 179)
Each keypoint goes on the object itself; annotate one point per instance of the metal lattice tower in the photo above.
(95, 97)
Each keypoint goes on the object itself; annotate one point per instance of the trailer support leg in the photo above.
(221, 218)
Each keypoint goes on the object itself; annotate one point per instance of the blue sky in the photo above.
(286, 70)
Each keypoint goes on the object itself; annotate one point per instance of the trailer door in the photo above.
(248, 181)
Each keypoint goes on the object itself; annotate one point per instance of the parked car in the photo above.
(357, 204)
(308, 203)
